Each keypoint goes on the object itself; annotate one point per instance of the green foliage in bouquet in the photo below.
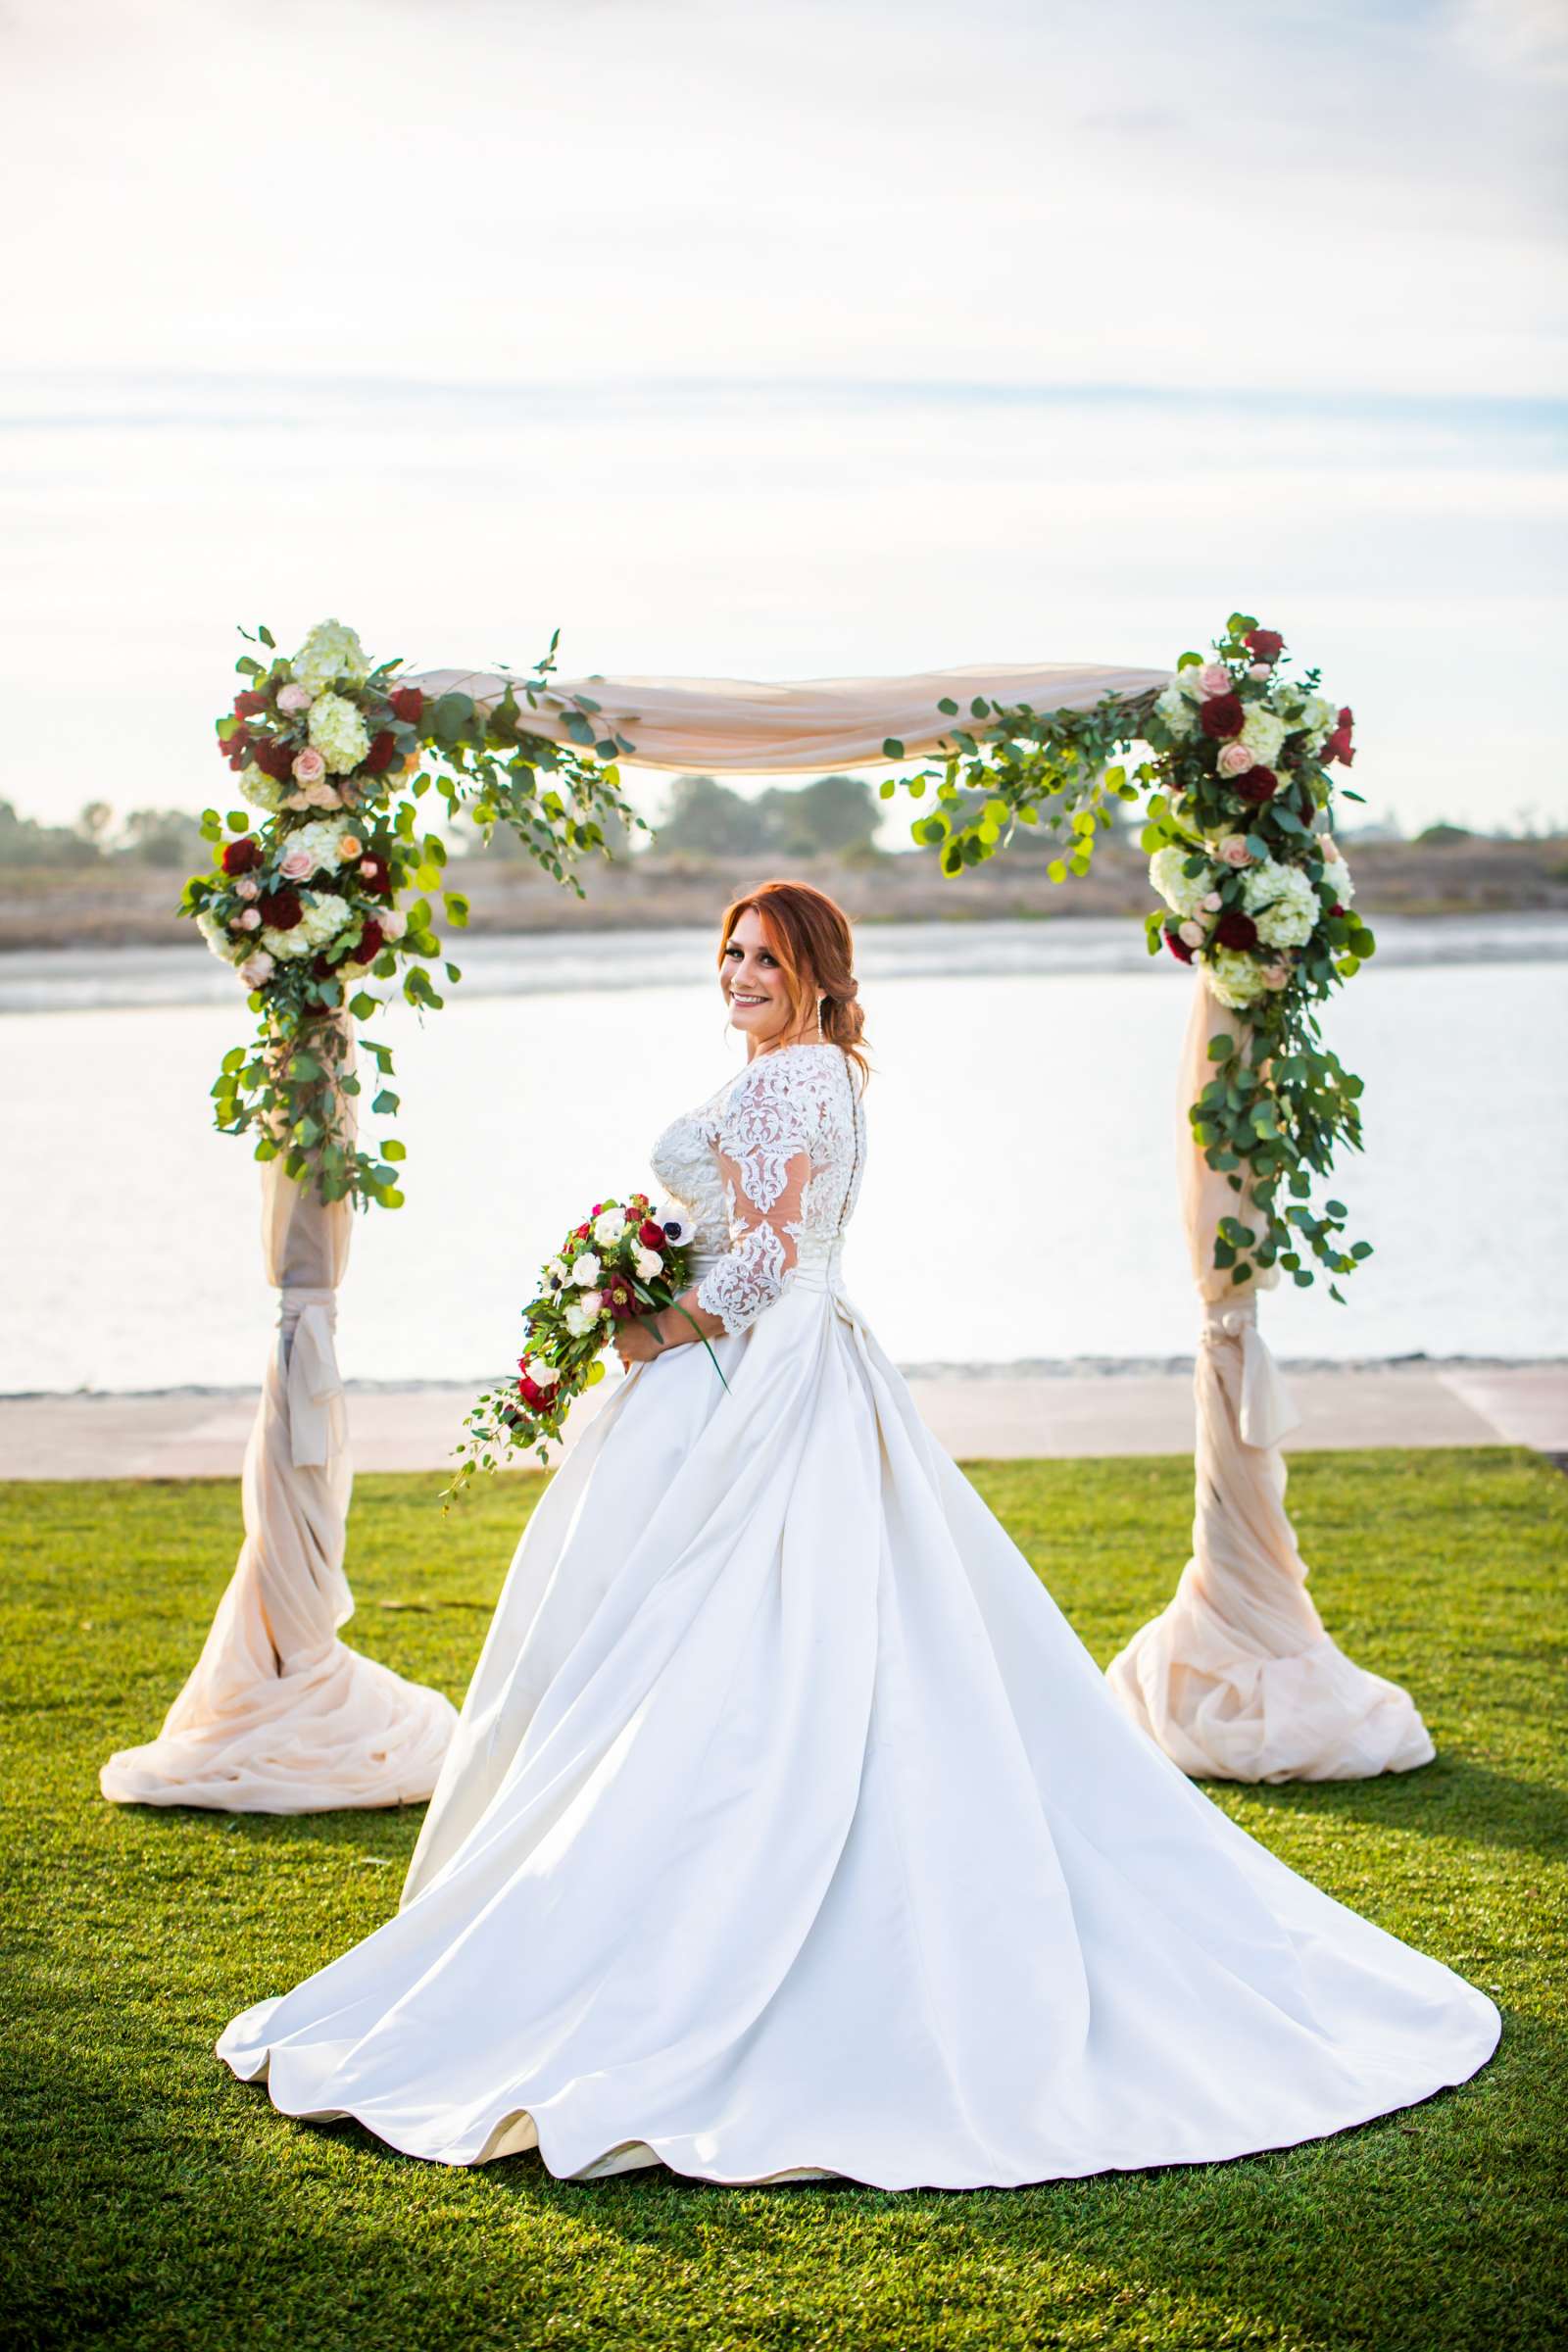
(326, 881)
(1238, 793)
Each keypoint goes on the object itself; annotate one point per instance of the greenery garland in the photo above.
(313, 901)
(1238, 797)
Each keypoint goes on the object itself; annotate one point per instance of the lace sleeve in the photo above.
(765, 1158)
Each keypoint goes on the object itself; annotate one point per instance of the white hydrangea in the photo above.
(338, 732)
(1262, 733)
(1175, 708)
(1182, 893)
(320, 839)
(262, 791)
(329, 652)
(321, 921)
(1234, 978)
(1282, 901)
(1314, 716)
(1187, 681)
(225, 948)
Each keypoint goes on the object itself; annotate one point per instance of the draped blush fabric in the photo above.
(279, 1715)
(739, 727)
(789, 1829)
(1236, 1678)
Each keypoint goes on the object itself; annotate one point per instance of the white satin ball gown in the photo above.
(789, 1829)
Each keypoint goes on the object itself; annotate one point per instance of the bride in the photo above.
(789, 1829)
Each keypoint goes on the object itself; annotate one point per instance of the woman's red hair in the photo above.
(810, 935)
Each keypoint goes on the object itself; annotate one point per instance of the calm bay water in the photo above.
(1019, 1195)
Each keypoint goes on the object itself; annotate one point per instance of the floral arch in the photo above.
(330, 878)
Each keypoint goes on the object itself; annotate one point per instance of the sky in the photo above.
(785, 340)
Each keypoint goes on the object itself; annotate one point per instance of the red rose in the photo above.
(1178, 948)
(1235, 929)
(1336, 910)
(279, 909)
(1338, 745)
(1222, 716)
(532, 1394)
(273, 758)
(1259, 784)
(372, 938)
(1266, 645)
(583, 1230)
(240, 856)
(247, 705)
(376, 875)
(378, 758)
(651, 1236)
(235, 747)
(409, 704)
(322, 968)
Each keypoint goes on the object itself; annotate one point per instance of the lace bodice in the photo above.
(769, 1170)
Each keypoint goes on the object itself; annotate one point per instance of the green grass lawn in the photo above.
(151, 2200)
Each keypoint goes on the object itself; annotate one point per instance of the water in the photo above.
(1019, 1196)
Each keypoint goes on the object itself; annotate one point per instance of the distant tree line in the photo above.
(163, 837)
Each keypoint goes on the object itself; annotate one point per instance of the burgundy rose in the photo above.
(376, 875)
(372, 938)
(378, 758)
(275, 759)
(651, 1236)
(239, 857)
(1265, 645)
(322, 968)
(235, 748)
(1235, 929)
(1178, 948)
(1336, 910)
(1339, 746)
(1222, 716)
(532, 1394)
(409, 704)
(247, 705)
(1259, 784)
(279, 909)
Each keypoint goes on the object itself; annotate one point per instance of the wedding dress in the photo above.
(789, 1829)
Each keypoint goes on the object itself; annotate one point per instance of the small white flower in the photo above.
(585, 1272)
(556, 1271)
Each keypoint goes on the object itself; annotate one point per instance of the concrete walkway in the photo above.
(1005, 1412)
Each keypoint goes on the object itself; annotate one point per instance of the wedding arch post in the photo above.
(279, 1715)
(1236, 1679)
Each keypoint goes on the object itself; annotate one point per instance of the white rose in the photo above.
(585, 1272)
(338, 732)
(1262, 734)
(1234, 978)
(609, 1228)
(329, 652)
(578, 1321)
(646, 1264)
(257, 969)
(591, 1302)
(1182, 893)
(1176, 709)
(543, 1374)
(393, 925)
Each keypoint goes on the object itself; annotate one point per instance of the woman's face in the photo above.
(752, 982)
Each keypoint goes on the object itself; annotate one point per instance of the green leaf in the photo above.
(892, 747)
(363, 1006)
(1221, 1049)
(947, 707)
(385, 1103)
(393, 1150)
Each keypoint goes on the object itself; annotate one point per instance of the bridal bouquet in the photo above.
(625, 1258)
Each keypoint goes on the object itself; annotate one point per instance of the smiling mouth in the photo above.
(736, 998)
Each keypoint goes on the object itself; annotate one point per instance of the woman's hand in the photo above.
(635, 1343)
